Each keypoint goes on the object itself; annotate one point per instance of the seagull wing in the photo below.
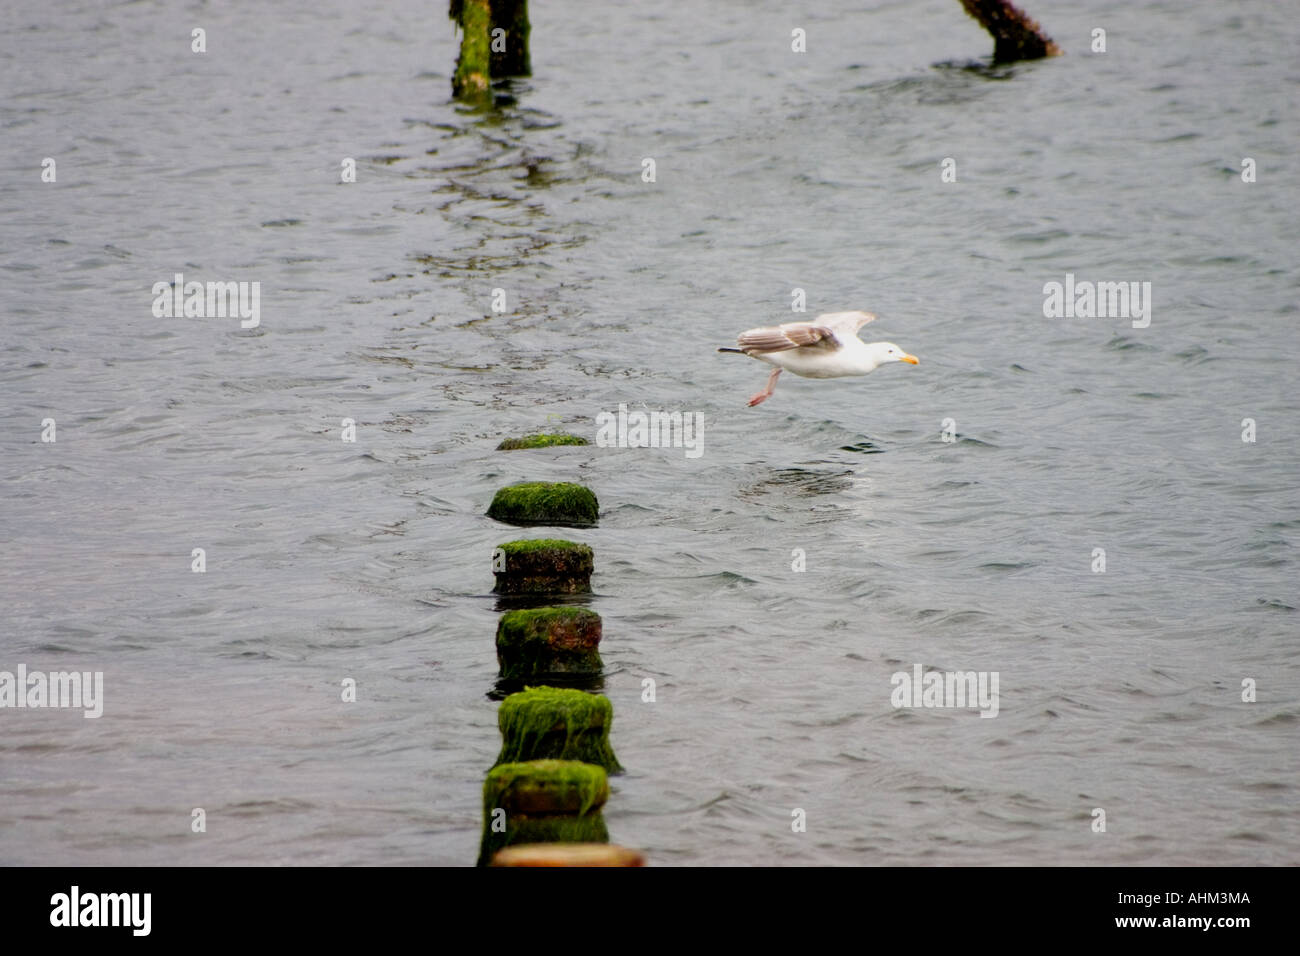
(792, 335)
(844, 324)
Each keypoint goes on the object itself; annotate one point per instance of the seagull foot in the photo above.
(766, 393)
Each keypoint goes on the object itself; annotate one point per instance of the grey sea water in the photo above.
(1119, 690)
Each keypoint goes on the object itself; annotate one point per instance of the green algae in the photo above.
(534, 545)
(541, 441)
(545, 801)
(540, 788)
(520, 830)
(549, 640)
(545, 502)
(473, 67)
(479, 63)
(552, 723)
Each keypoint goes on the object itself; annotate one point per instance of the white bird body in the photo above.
(854, 357)
(826, 347)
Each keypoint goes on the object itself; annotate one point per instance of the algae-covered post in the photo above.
(557, 503)
(1015, 35)
(510, 52)
(541, 441)
(543, 801)
(544, 723)
(542, 566)
(493, 43)
(473, 66)
(548, 641)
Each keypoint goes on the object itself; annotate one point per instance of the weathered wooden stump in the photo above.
(536, 643)
(493, 43)
(552, 723)
(543, 801)
(542, 566)
(1015, 35)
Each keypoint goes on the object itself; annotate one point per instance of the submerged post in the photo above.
(1015, 35)
(510, 55)
(542, 566)
(546, 502)
(553, 723)
(542, 801)
(536, 643)
(493, 43)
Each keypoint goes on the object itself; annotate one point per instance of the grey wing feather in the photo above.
(782, 338)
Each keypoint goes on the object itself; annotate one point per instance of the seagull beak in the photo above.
(910, 360)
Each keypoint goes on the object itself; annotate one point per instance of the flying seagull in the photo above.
(826, 347)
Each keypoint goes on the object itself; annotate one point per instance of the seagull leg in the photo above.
(766, 393)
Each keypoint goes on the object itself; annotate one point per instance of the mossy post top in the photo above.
(545, 502)
(538, 643)
(557, 723)
(541, 441)
(545, 787)
(542, 566)
(538, 546)
(557, 625)
(550, 706)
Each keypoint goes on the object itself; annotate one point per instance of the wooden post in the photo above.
(1015, 35)
(536, 643)
(512, 17)
(542, 566)
(542, 801)
(554, 723)
(493, 43)
(473, 69)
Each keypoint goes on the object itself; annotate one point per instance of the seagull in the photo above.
(826, 347)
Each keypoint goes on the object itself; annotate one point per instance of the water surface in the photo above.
(371, 560)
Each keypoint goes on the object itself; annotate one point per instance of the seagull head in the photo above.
(889, 352)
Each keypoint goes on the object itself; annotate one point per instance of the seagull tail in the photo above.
(737, 351)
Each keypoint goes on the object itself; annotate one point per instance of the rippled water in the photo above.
(327, 560)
